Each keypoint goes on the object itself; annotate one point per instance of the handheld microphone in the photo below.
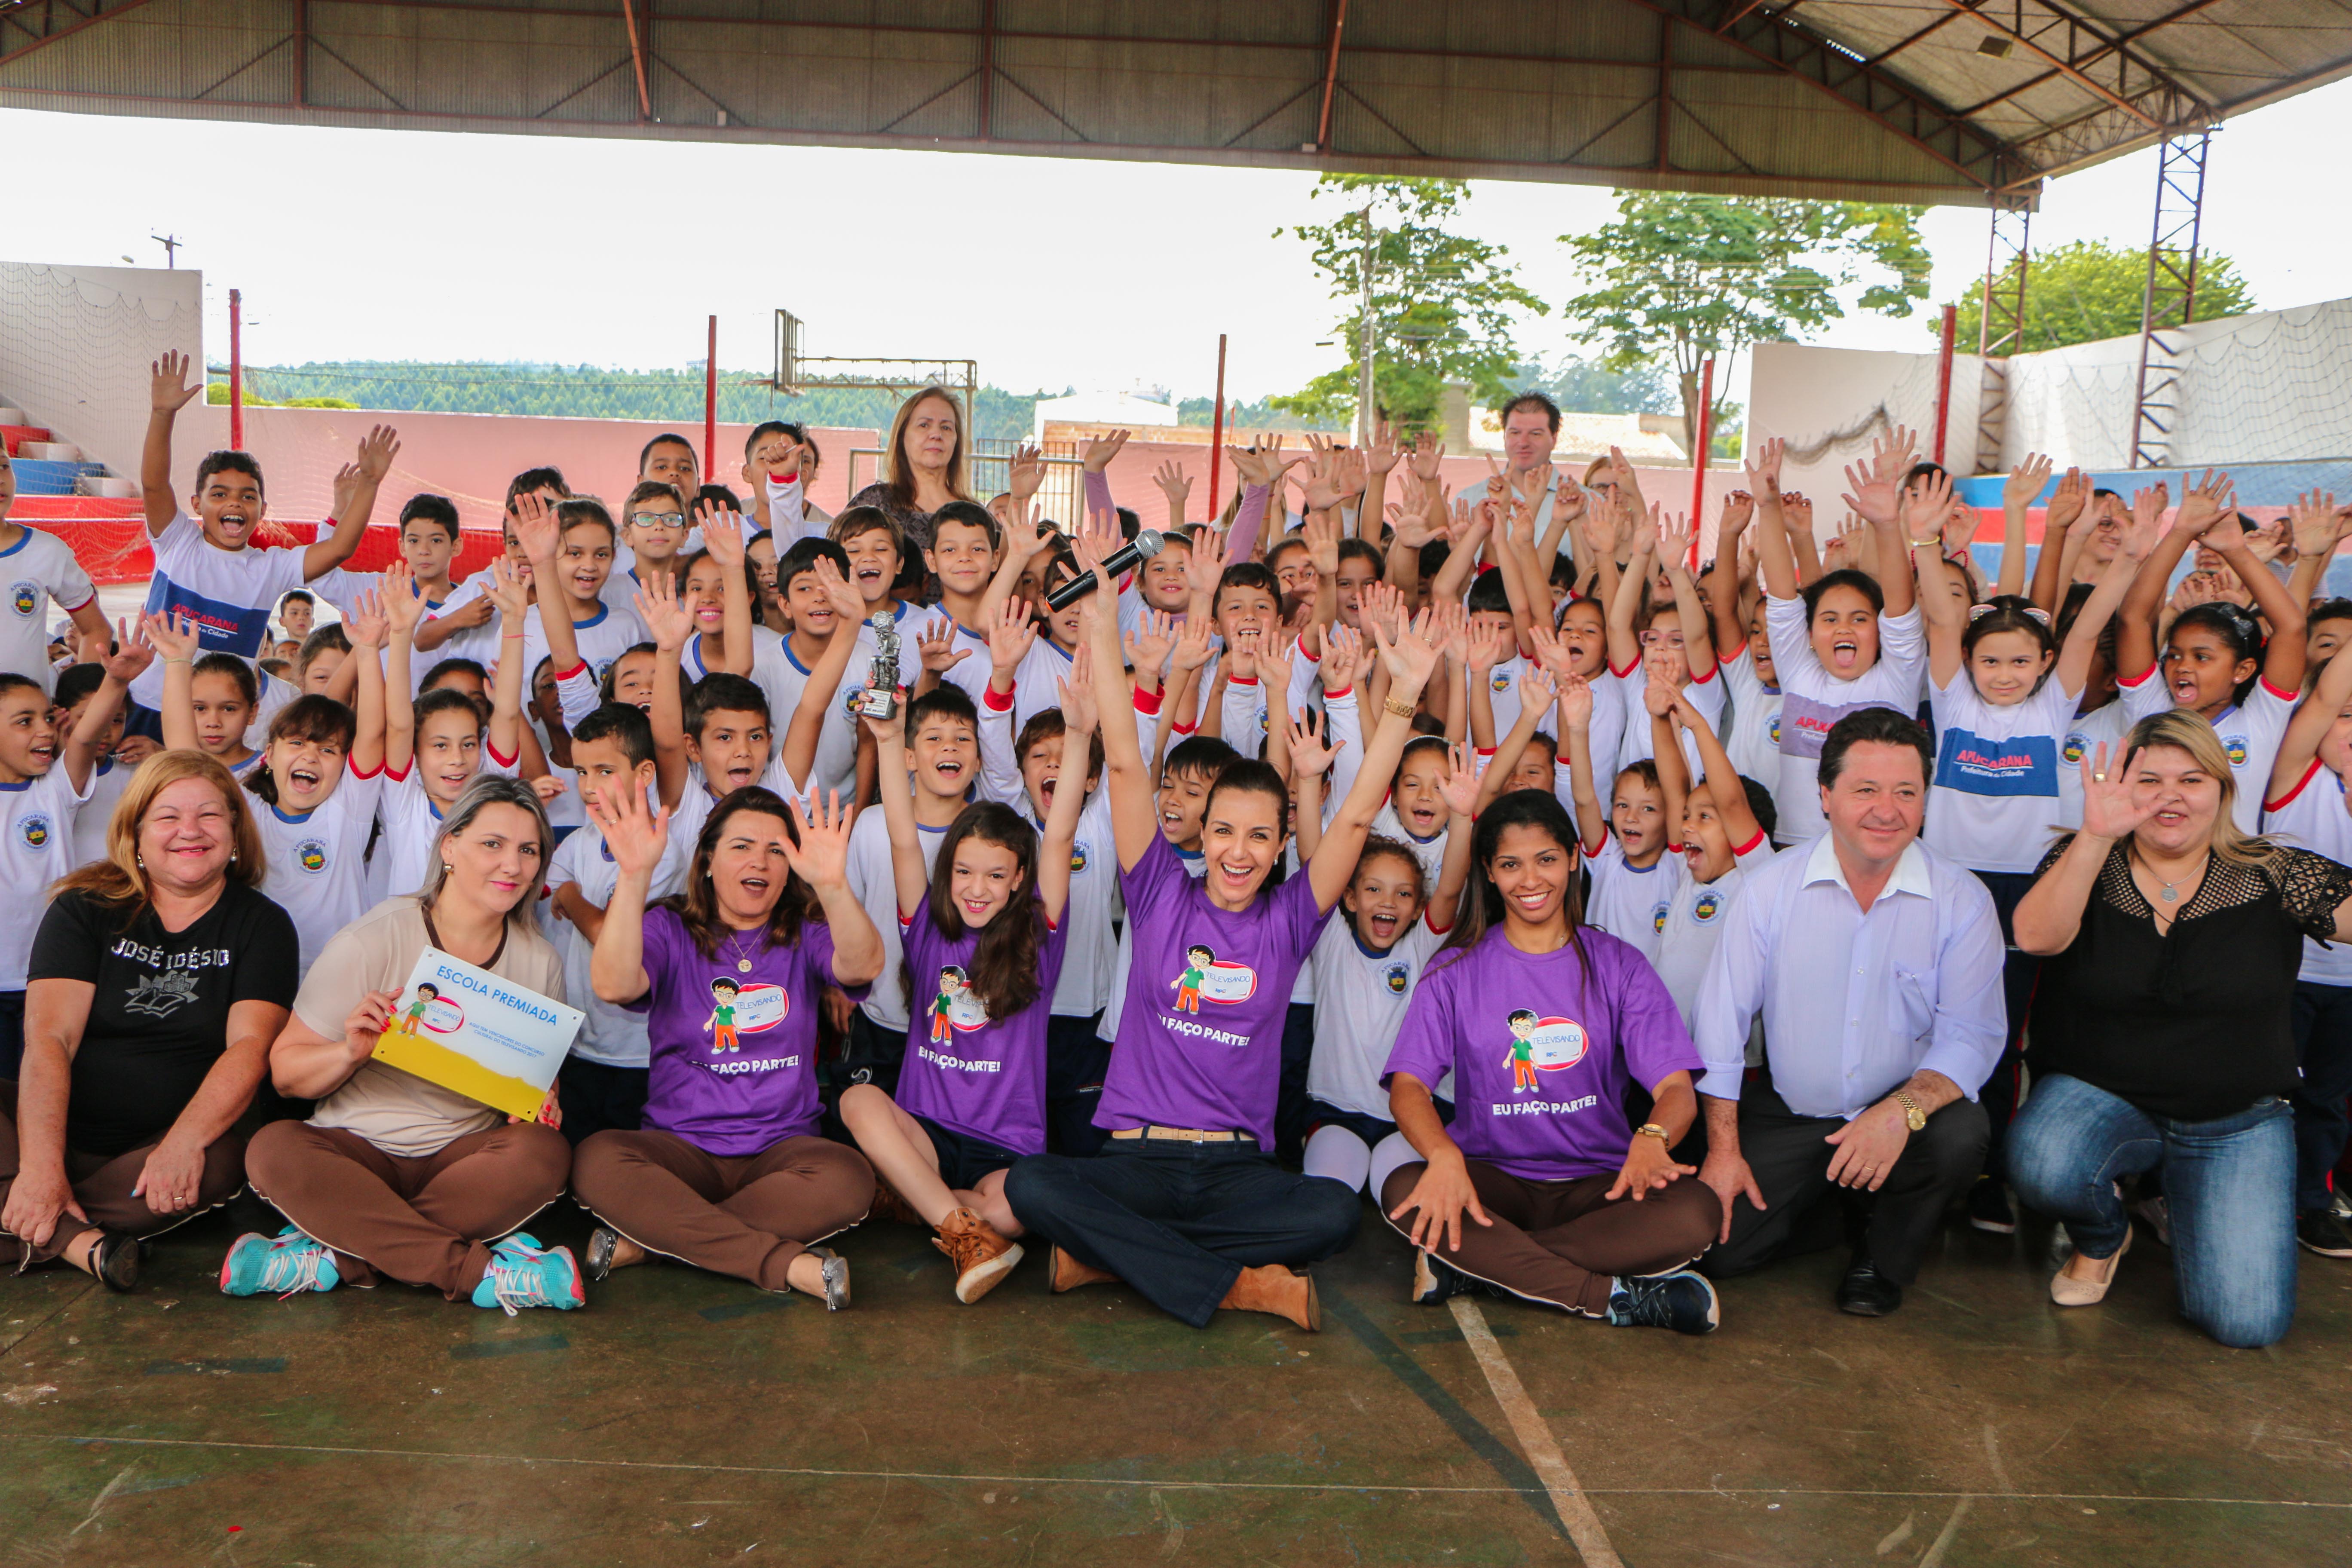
(1142, 547)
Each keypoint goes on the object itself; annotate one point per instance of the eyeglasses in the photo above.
(657, 519)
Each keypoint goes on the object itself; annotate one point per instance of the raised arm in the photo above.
(1727, 625)
(910, 876)
(2050, 913)
(367, 627)
(1576, 699)
(506, 730)
(354, 503)
(1079, 717)
(2200, 507)
(657, 606)
(1464, 793)
(1947, 619)
(2082, 645)
(1667, 753)
(1723, 785)
(2053, 568)
(403, 608)
(1409, 659)
(2286, 652)
(168, 392)
(635, 836)
(2305, 733)
(1773, 556)
(1133, 815)
(175, 637)
(1876, 498)
(722, 539)
(805, 730)
(1625, 642)
(123, 663)
(2017, 493)
(1676, 540)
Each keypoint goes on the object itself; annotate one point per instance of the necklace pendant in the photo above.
(743, 965)
(2169, 893)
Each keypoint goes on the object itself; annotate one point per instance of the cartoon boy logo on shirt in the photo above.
(1206, 979)
(721, 1022)
(954, 1006)
(1540, 1045)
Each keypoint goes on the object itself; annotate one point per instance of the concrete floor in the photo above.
(685, 1419)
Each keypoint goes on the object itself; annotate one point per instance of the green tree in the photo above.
(1441, 305)
(1678, 278)
(2082, 293)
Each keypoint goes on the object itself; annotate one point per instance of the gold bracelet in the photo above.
(1399, 707)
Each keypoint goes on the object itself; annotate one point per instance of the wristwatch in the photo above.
(1652, 1129)
(1913, 1117)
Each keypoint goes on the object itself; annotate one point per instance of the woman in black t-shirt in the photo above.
(2173, 941)
(160, 976)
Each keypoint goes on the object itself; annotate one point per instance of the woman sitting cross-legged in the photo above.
(395, 1176)
(160, 976)
(983, 929)
(1540, 1187)
(2173, 939)
(727, 1172)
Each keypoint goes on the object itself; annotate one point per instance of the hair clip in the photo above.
(2036, 611)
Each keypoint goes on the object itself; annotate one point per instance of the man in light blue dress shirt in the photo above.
(1876, 965)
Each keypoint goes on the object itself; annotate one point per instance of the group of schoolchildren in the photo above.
(1386, 671)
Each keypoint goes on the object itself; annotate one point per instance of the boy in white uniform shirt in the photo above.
(1726, 833)
(37, 569)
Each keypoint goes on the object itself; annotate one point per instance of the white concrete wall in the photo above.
(76, 344)
(1829, 405)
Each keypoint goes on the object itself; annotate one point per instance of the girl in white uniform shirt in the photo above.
(1629, 848)
(2099, 717)
(1673, 645)
(323, 772)
(1366, 966)
(2215, 658)
(1726, 834)
(435, 746)
(2309, 807)
(1848, 643)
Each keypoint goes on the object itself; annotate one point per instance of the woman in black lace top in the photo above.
(2173, 941)
(923, 469)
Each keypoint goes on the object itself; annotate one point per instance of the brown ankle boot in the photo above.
(982, 1257)
(1285, 1292)
(890, 1203)
(1069, 1273)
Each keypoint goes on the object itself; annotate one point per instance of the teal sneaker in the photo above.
(524, 1274)
(284, 1265)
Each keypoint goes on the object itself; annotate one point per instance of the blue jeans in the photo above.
(2229, 1184)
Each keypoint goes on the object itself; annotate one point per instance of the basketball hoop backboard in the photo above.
(788, 354)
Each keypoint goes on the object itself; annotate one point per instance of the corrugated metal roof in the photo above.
(1920, 100)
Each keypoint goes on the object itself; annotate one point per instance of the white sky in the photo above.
(1050, 272)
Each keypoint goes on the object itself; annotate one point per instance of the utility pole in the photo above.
(1364, 417)
(171, 244)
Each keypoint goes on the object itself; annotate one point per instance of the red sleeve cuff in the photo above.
(996, 702)
(491, 751)
(402, 776)
(1596, 853)
(580, 669)
(2308, 774)
(1240, 680)
(1622, 674)
(1335, 696)
(2138, 680)
(1750, 847)
(1435, 930)
(86, 604)
(1309, 655)
(1700, 678)
(1185, 729)
(1147, 702)
(358, 772)
(2281, 696)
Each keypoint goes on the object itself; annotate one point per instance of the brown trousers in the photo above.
(425, 1220)
(749, 1216)
(1561, 1242)
(101, 1185)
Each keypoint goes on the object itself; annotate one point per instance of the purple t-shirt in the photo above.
(733, 1058)
(969, 1073)
(1200, 1041)
(1540, 1055)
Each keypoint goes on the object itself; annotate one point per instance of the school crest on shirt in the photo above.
(1774, 729)
(2076, 744)
(35, 829)
(312, 856)
(2235, 747)
(159, 996)
(25, 598)
(1205, 979)
(1658, 916)
(1077, 858)
(1542, 1043)
(1708, 906)
(1499, 681)
(1398, 978)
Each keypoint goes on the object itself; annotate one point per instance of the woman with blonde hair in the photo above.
(393, 1175)
(2173, 938)
(922, 468)
(159, 976)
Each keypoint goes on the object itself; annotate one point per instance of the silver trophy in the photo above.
(881, 698)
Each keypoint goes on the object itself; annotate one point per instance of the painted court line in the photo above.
(1536, 1439)
(441, 1455)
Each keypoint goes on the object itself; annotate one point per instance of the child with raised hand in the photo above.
(1842, 641)
(434, 746)
(818, 677)
(715, 589)
(2216, 661)
(570, 548)
(314, 833)
(718, 738)
(2308, 805)
(46, 771)
(41, 567)
(1726, 830)
(983, 926)
(1674, 645)
(218, 691)
(1012, 633)
(1366, 965)
(1579, 654)
(78, 687)
(1627, 849)
(206, 561)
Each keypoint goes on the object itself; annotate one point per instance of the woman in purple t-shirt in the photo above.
(982, 932)
(727, 1172)
(1545, 1024)
(1185, 1202)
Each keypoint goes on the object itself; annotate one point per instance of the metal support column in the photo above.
(2000, 330)
(2170, 297)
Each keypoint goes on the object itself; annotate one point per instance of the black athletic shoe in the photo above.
(115, 1260)
(1433, 1281)
(1989, 1208)
(2320, 1231)
(1867, 1293)
(1683, 1301)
